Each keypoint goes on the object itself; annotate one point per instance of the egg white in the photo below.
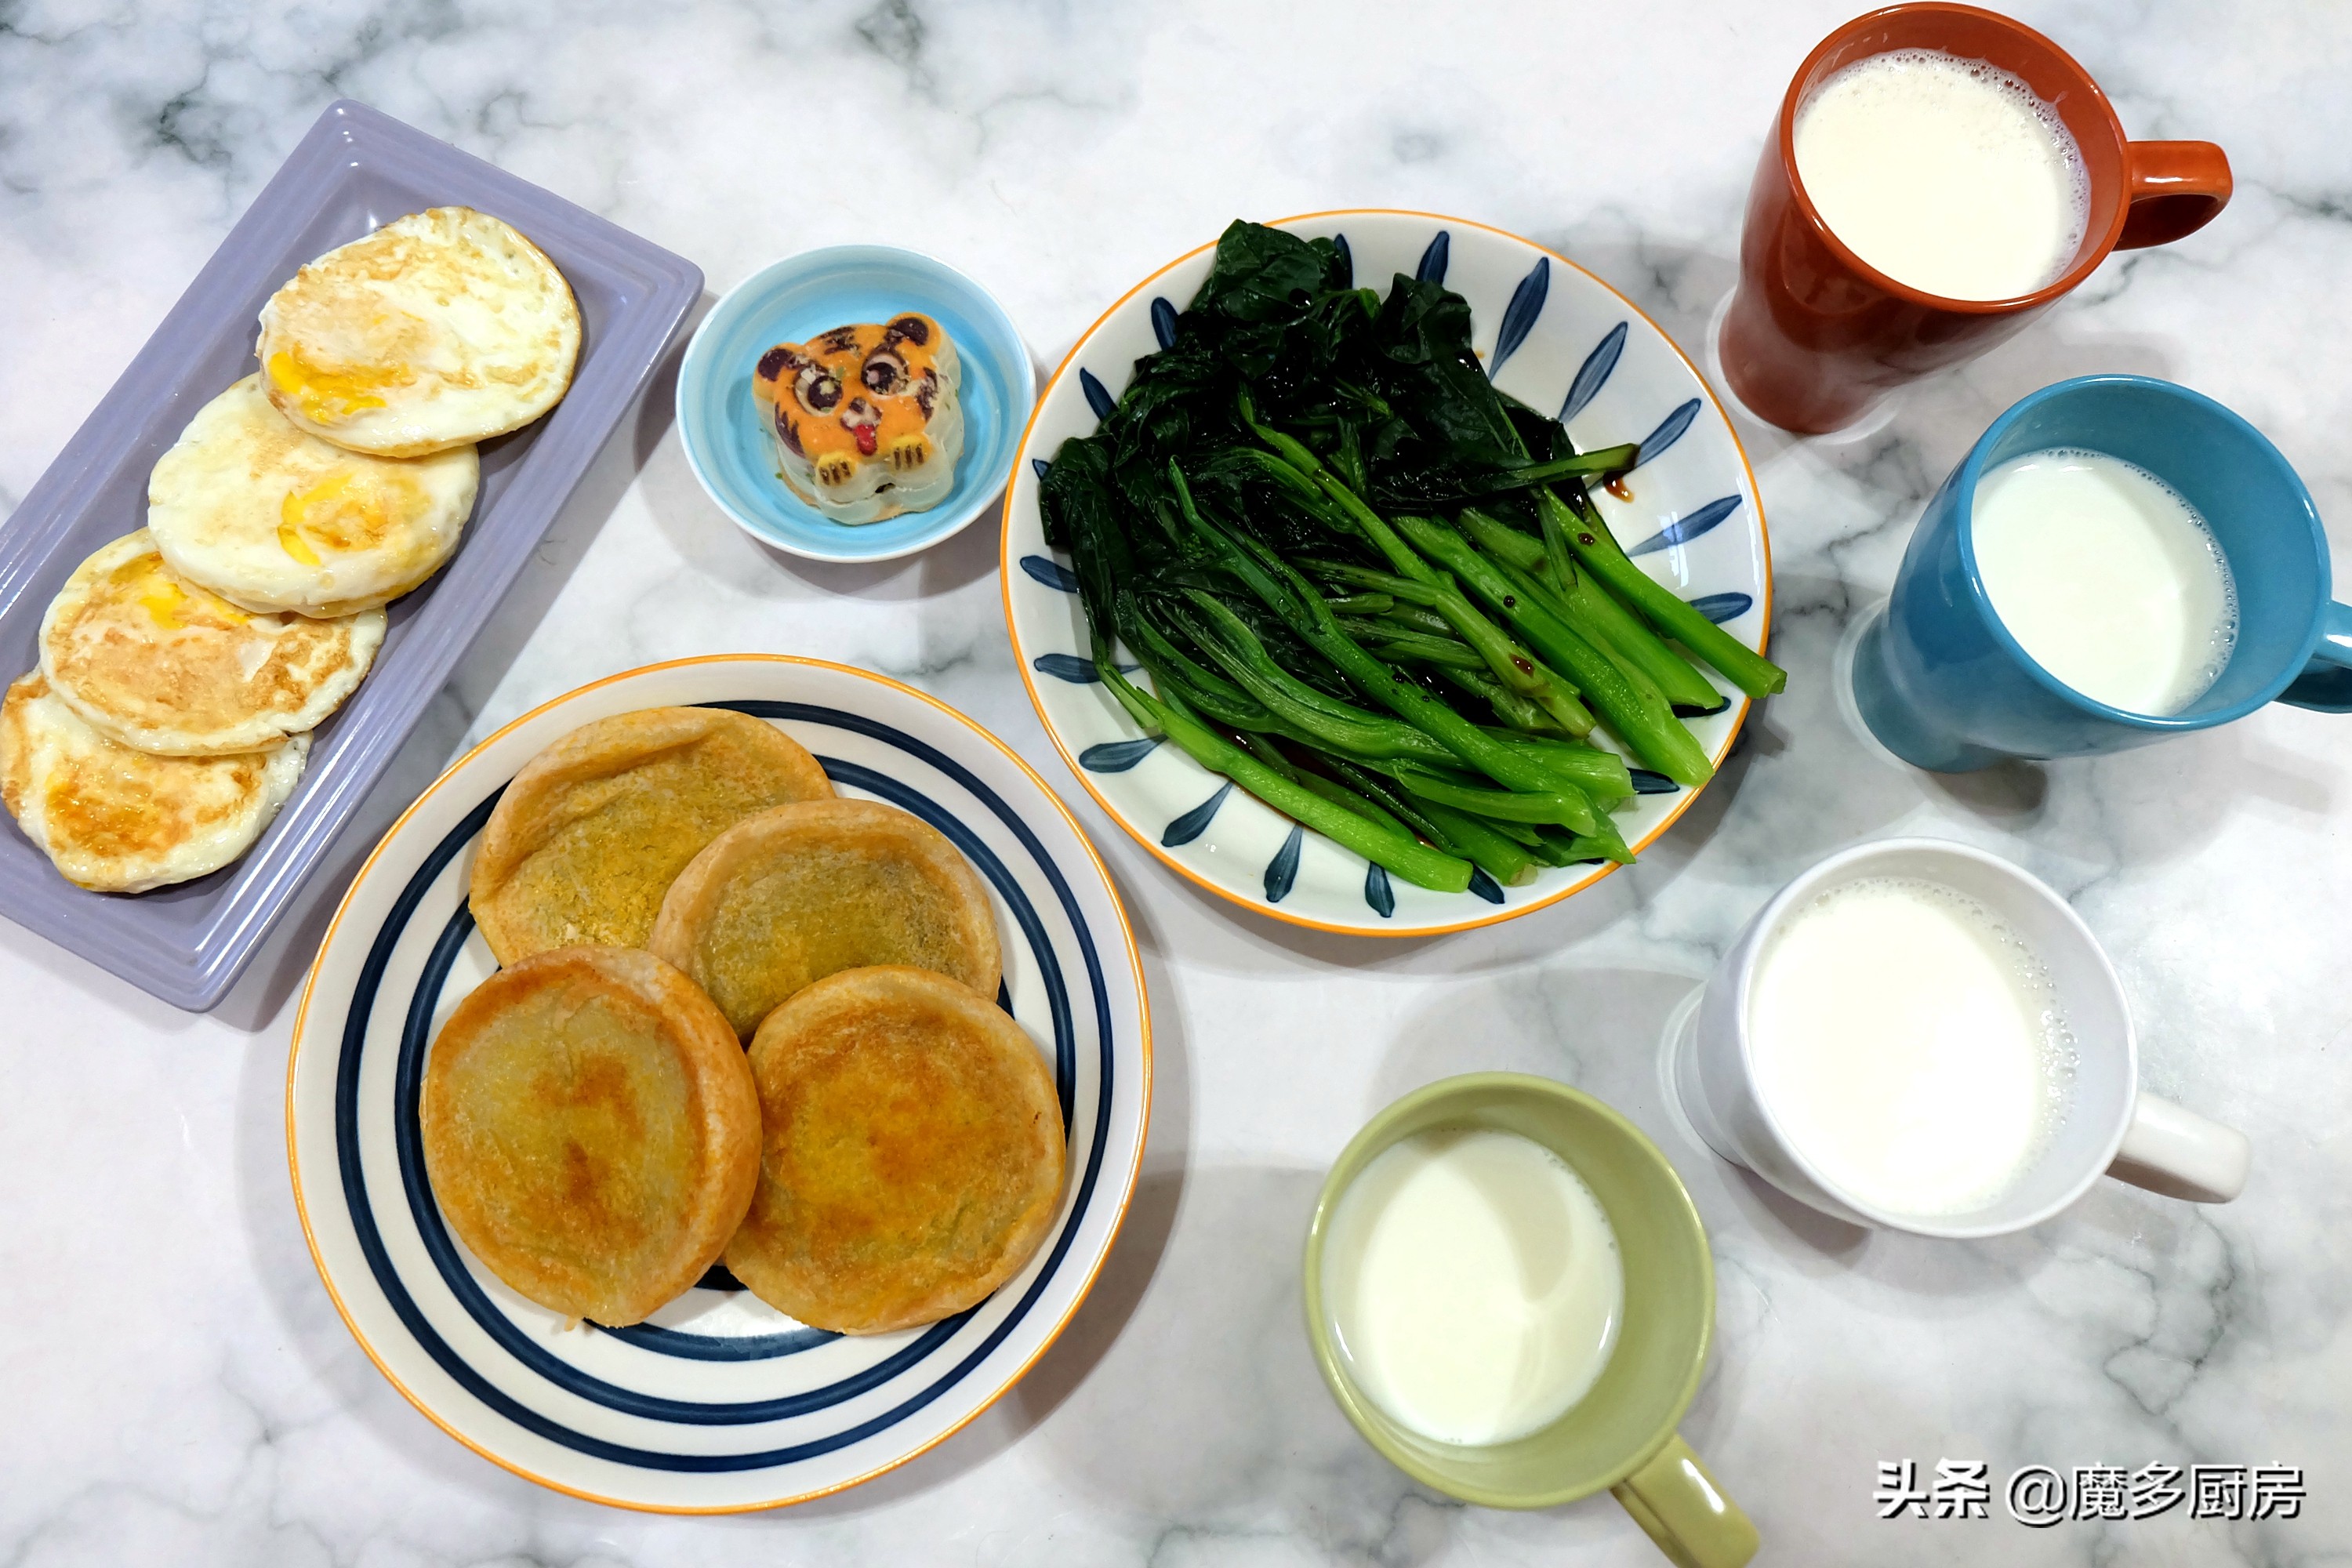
(116, 820)
(271, 518)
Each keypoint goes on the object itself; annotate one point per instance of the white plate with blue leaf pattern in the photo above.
(1551, 334)
(717, 1403)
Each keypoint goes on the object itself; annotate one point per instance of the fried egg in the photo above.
(152, 660)
(440, 330)
(271, 518)
(865, 418)
(117, 820)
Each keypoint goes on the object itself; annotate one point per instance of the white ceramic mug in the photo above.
(2110, 1128)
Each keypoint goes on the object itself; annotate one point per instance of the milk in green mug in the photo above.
(1602, 1303)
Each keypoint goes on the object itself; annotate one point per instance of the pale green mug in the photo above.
(1621, 1434)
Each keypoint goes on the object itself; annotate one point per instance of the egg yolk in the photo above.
(169, 606)
(349, 510)
(296, 509)
(317, 389)
(164, 602)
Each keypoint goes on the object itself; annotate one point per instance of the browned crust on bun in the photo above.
(591, 1131)
(911, 1153)
(592, 830)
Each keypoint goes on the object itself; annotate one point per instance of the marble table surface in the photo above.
(176, 1386)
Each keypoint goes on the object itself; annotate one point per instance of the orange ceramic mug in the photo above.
(1816, 336)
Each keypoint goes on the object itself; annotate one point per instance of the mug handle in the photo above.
(1678, 1505)
(2174, 189)
(2325, 683)
(2171, 1150)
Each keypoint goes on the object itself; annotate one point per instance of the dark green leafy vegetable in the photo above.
(1415, 861)
(1640, 718)
(1318, 528)
(1589, 608)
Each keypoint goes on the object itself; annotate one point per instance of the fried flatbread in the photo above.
(592, 830)
(591, 1131)
(781, 899)
(911, 1153)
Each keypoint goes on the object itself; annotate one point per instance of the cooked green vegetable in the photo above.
(1597, 548)
(1588, 607)
(1355, 576)
(1415, 861)
(1634, 711)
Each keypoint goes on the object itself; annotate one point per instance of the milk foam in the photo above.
(1944, 174)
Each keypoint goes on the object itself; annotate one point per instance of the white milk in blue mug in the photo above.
(2106, 577)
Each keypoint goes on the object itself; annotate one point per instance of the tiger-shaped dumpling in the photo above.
(865, 418)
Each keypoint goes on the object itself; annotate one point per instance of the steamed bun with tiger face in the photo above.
(865, 417)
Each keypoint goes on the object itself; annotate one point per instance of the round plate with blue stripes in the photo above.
(1551, 334)
(718, 1402)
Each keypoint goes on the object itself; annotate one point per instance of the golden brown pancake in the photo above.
(117, 820)
(591, 1131)
(786, 898)
(911, 1153)
(592, 830)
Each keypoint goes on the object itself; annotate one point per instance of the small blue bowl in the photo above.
(791, 301)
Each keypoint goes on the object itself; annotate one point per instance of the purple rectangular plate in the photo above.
(355, 171)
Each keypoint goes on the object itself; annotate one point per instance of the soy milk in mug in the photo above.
(1474, 1283)
(1910, 1044)
(2106, 577)
(1946, 174)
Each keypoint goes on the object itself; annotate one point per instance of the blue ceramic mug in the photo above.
(1944, 686)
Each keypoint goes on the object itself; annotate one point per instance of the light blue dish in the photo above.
(791, 301)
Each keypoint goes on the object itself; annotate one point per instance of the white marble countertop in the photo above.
(178, 1389)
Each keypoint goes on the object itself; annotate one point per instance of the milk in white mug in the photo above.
(1819, 1058)
(1946, 174)
(1911, 1044)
